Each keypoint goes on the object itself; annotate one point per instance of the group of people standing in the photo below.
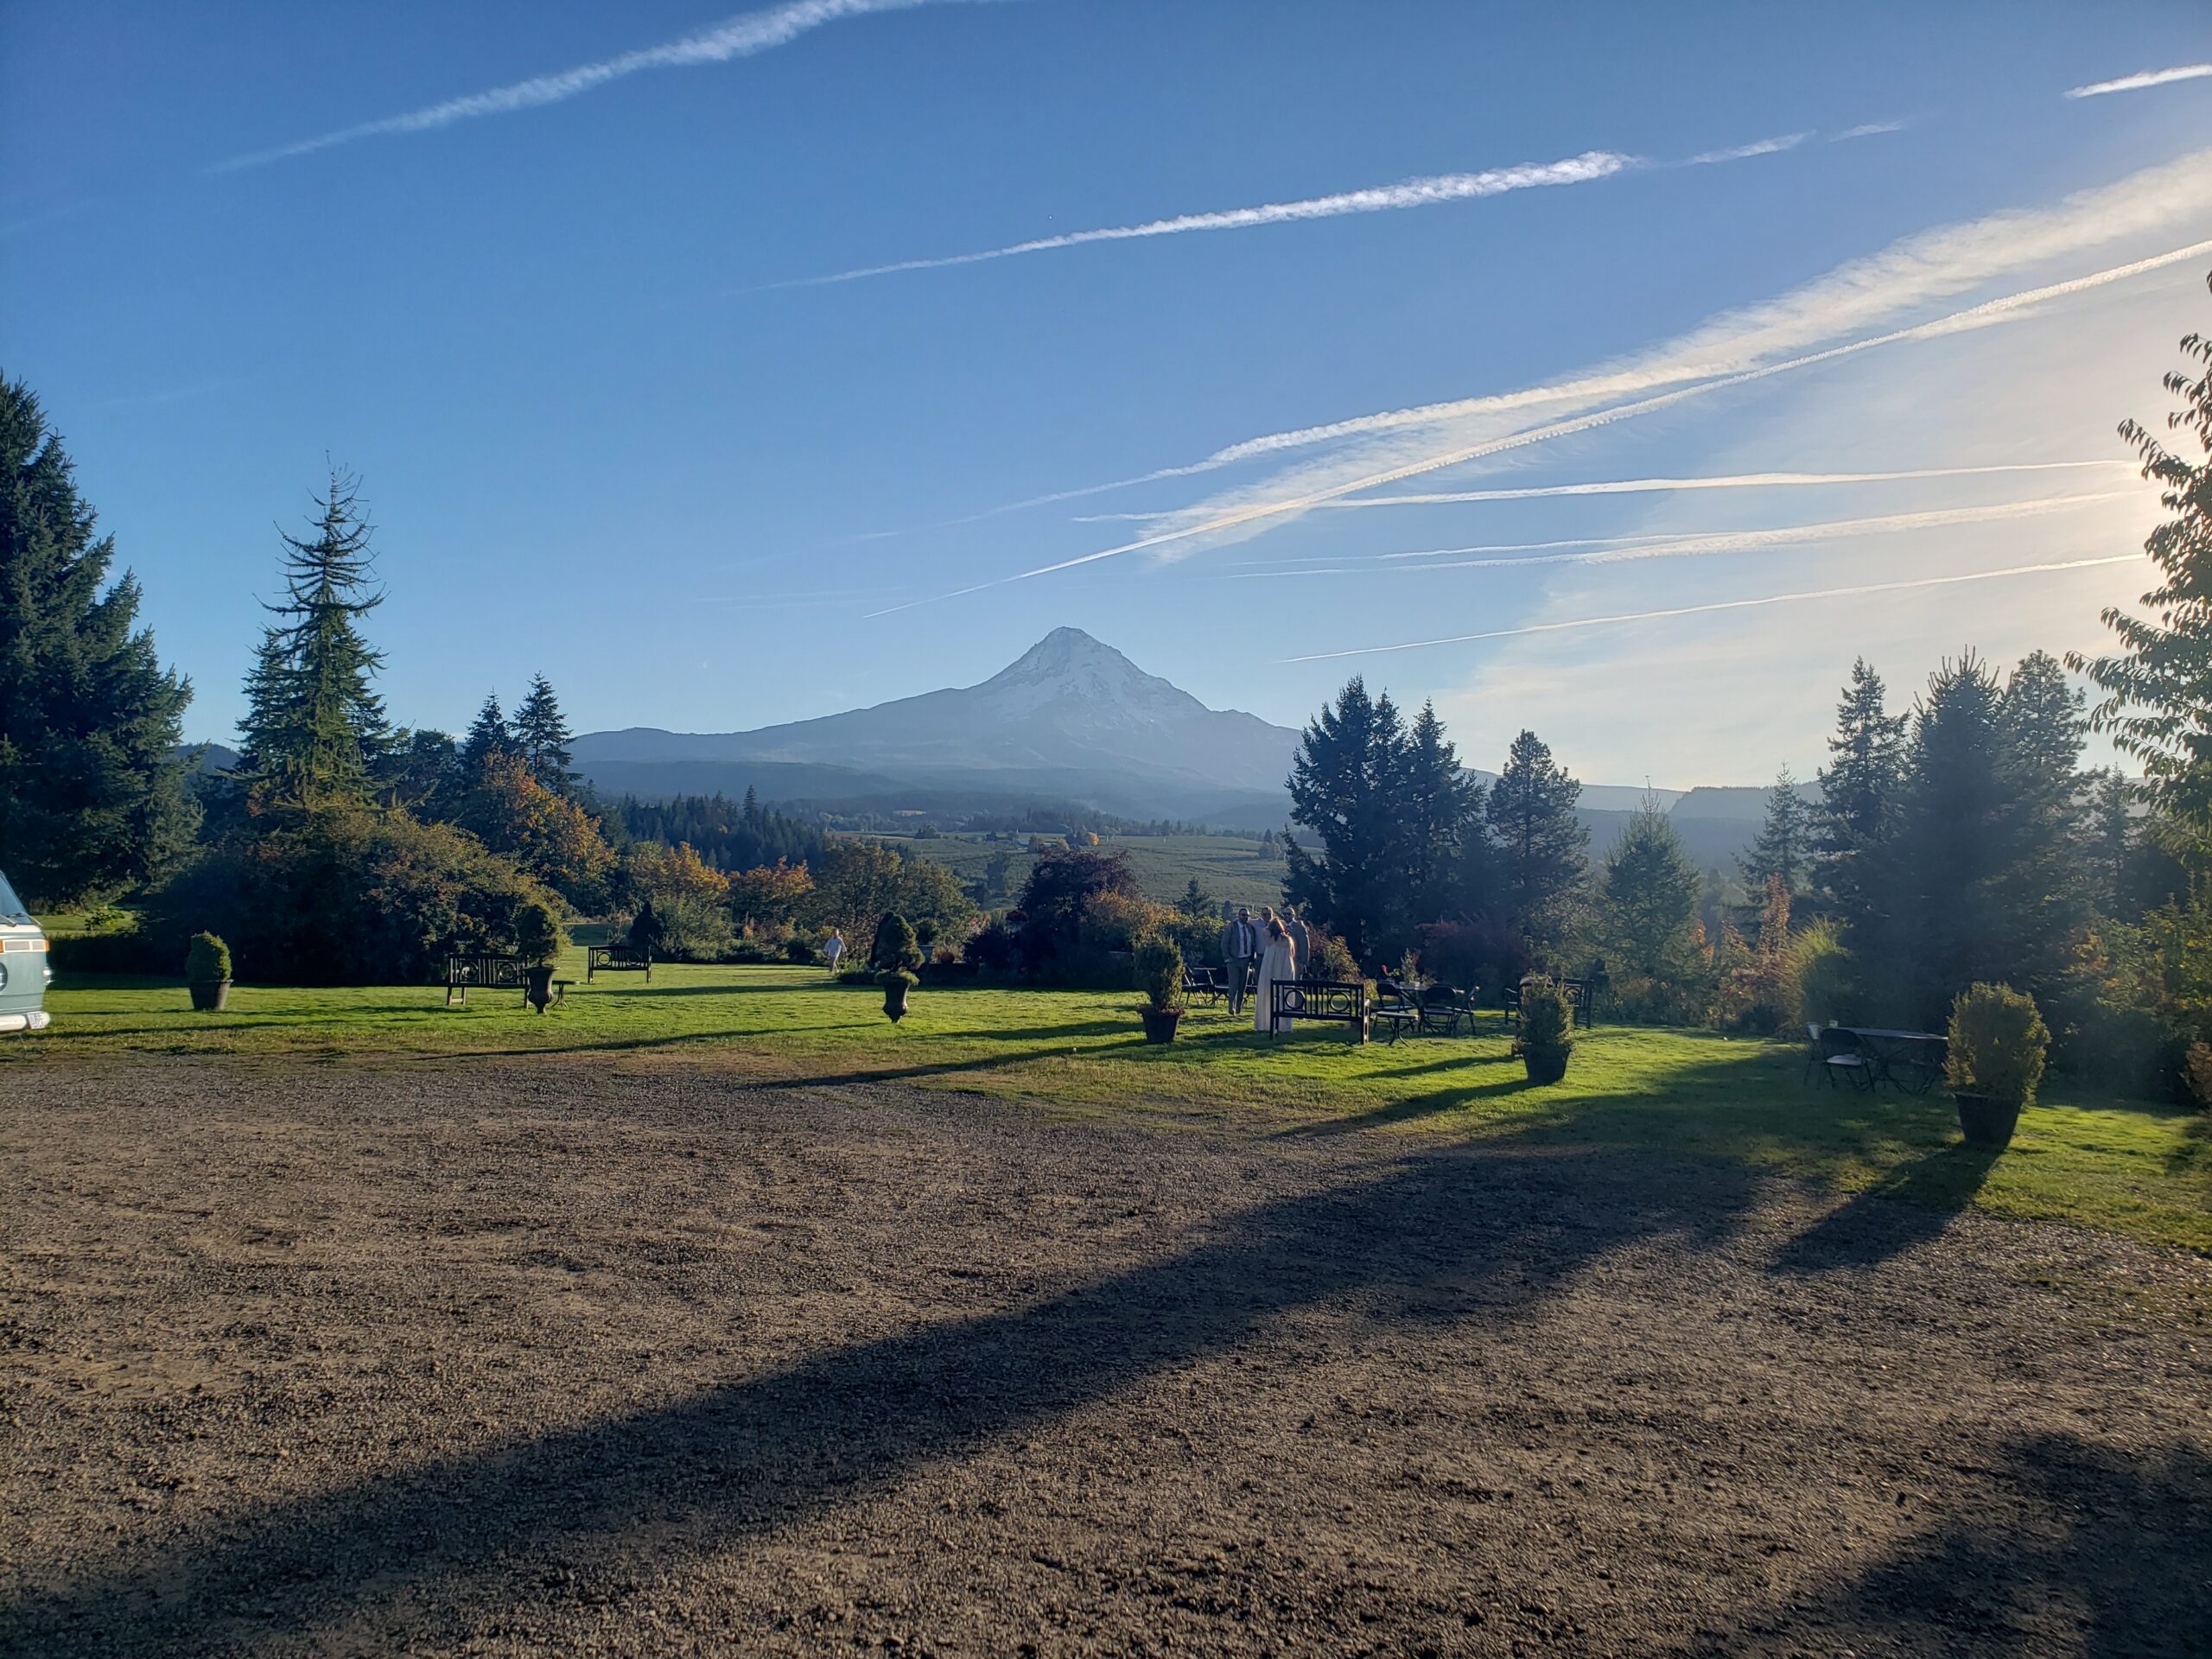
(1279, 947)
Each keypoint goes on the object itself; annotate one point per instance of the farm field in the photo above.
(1231, 867)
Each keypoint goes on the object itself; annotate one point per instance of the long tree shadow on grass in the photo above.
(1913, 1203)
(1453, 1232)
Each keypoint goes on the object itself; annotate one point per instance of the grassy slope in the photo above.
(2120, 1166)
(1227, 867)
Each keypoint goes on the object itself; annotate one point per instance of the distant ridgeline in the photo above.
(728, 834)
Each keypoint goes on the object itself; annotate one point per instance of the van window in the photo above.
(11, 908)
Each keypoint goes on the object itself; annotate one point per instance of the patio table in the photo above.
(1906, 1060)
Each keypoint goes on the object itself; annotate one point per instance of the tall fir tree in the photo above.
(489, 741)
(2046, 886)
(542, 736)
(93, 798)
(2157, 688)
(1540, 842)
(1651, 897)
(1440, 802)
(1784, 846)
(314, 726)
(1347, 786)
(1859, 793)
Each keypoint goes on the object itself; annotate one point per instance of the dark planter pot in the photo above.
(894, 1003)
(1986, 1122)
(210, 996)
(1545, 1068)
(1160, 1024)
(538, 987)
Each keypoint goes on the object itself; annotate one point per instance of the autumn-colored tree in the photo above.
(689, 899)
(552, 837)
(770, 895)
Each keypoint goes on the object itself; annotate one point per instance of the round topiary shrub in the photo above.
(206, 960)
(1547, 1029)
(896, 947)
(1160, 972)
(1994, 1060)
(538, 938)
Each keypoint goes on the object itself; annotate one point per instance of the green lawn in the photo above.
(1231, 867)
(2121, 1165)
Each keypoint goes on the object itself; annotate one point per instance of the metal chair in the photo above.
(1443, 1009)
(1837, 1052)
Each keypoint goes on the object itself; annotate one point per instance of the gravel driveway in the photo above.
(557, 1358)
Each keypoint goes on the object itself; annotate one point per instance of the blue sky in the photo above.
(602, 436)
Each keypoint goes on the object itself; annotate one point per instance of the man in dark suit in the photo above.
(1240, 944)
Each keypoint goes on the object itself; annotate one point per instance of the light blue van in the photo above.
(23, 973)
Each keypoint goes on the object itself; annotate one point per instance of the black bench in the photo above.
(482, 973)
(618, 959)
(1201, 982)
(1333, 1002)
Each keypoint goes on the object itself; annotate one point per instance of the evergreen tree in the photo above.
(1540, 842)
(1783, 849)
(2157, 700)
(2046, 888)
(421, 770)
(1651, 896)
(544, 738)
(2109, 844)
(1347, 786)
(1441, 801)
(93, 796)
(1858, 797)
(314, 725)
(489, 739)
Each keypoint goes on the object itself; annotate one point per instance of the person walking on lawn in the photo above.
(1240, 943)
(833, 949)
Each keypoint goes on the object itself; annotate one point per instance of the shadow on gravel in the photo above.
(1911, 1204)
(1470, 1235)
(2105, 1555)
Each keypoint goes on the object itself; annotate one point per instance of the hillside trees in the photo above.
(1784, 850)
(1858, 791)
(1650, 891)
(93, 798)
(1347, 786)
(542, 735)
(314, 724)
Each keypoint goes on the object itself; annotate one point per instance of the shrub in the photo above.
(857, 976)
(2197, 1073)
(800, 950)
(206, 959)
(1997, 1045)
(1159, 973)
(1482, 957)
(538, 938)
(646, 929)
(1824, 969)
(990, 947)
(1547, 1018)
(347, 895)
(896, 949)
(1328, 956)
(892, 978)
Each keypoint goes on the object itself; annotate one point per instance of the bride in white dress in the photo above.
(1280, 961)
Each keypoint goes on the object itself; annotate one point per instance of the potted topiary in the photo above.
(1159, 976)
(896, 982)
(1547, 1029)
(537, 941)
(1994, 1060)
(208, 973)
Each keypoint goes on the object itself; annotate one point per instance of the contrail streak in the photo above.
(1720, 605)
(742, 36)
(1383, 199)
(1617, 550)
(2148, 77)
(1664, 485)
(1957, 321)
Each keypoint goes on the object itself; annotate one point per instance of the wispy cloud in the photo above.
(1618, 549)
(742, 36)
(1745, 152)
(1382, 198)
(1720, 605)
(1666, 485)
(2138, 82)
(1206, 522)
(1868, 129)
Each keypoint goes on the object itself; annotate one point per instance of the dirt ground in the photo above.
(544, 1357)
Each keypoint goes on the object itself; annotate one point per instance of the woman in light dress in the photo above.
(1280, 962)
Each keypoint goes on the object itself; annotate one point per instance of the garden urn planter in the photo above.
(538, 986)
(1986, 1122)
(210, 996)
(1544, 1067)
(894, 1001)
(1160, 1024)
